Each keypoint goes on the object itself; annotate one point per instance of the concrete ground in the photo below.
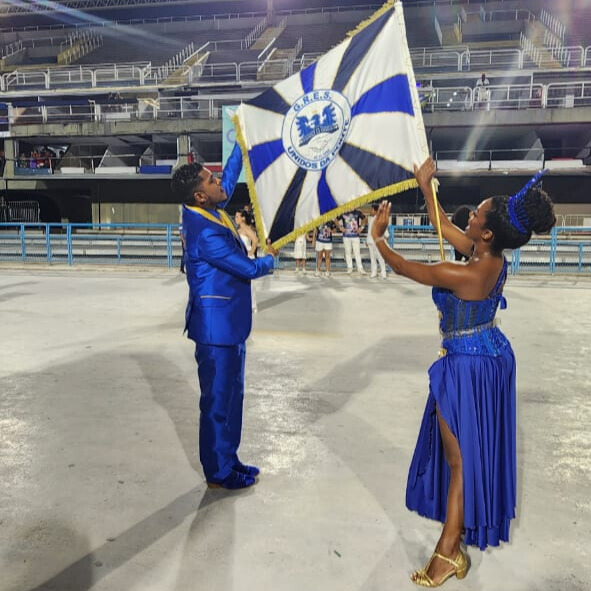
(101, 484)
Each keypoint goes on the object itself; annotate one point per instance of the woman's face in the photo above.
(477, 220)
(238, 218)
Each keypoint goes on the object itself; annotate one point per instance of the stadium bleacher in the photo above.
(163, 72)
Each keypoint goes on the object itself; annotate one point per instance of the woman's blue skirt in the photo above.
(475, 395)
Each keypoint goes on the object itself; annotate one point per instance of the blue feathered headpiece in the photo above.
(517, 214)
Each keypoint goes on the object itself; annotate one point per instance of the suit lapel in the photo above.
(224, 221)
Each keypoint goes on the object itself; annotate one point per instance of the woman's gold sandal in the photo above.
(460, 569)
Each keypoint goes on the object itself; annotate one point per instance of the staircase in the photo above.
(183, 75)
(449, 22)
(77, 46)
(535, 49)
(277, 63)
(279, 66)
(266, 37)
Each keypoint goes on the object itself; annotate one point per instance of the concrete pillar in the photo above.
(270, 12)
(10, 152)
(183, 148)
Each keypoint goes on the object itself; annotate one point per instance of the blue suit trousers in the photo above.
(221, 379)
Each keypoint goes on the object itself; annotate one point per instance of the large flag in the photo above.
(342, 132)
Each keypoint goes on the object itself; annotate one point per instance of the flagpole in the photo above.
(437, 220)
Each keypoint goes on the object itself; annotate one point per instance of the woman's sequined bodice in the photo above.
(468, 326)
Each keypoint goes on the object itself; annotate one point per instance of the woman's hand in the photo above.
(382, 220)
(425, 173)
(270, 250)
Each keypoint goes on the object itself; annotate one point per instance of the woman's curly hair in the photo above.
(539, 212)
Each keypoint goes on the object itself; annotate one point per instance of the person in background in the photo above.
(244, 223)
(483, 92)
(299, 252)
(322, 243)
(252, 223)
(374, 254)
(460, 219)
(351, 224)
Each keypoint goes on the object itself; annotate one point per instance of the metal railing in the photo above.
(255, 33)
(558, 50)
(217, 18)
(125, 164)
(92, 76)
(424, 60)
(553, 24)
(11, 48)
(464, 59)
(20, 211)
(71, 244)
(566, 250)
(433, 99)
(507, 96)
(221, 17)
(118, 163)
(516, 14)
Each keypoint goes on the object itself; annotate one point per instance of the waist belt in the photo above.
(482, 339)
(469, 331)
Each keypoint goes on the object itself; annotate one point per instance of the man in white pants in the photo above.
(374, 253)
(351, 224)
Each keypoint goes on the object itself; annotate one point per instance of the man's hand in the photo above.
(270, 249)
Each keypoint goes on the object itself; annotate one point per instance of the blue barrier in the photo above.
(156, 169)
(565, 250)
(32, 171)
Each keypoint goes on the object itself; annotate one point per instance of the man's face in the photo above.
(209, 192)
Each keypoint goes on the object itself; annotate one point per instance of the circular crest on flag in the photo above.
(315, 128)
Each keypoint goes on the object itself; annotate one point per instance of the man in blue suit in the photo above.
(218, 318)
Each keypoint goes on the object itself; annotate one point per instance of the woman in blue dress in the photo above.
(463, 472)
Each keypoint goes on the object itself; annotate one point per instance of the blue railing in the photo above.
(565, 250)
(151, 244)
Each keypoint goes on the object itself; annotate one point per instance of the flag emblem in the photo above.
(315, 128)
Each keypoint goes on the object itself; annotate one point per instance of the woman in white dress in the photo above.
(299, 252)
(243, 220)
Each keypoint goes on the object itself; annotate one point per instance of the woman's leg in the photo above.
(373, 259)
(449, 541)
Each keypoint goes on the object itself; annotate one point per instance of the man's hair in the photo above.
(185, 181)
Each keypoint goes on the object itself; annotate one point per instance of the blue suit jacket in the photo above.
(219, 271)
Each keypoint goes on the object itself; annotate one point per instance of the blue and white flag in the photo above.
(342, 132)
